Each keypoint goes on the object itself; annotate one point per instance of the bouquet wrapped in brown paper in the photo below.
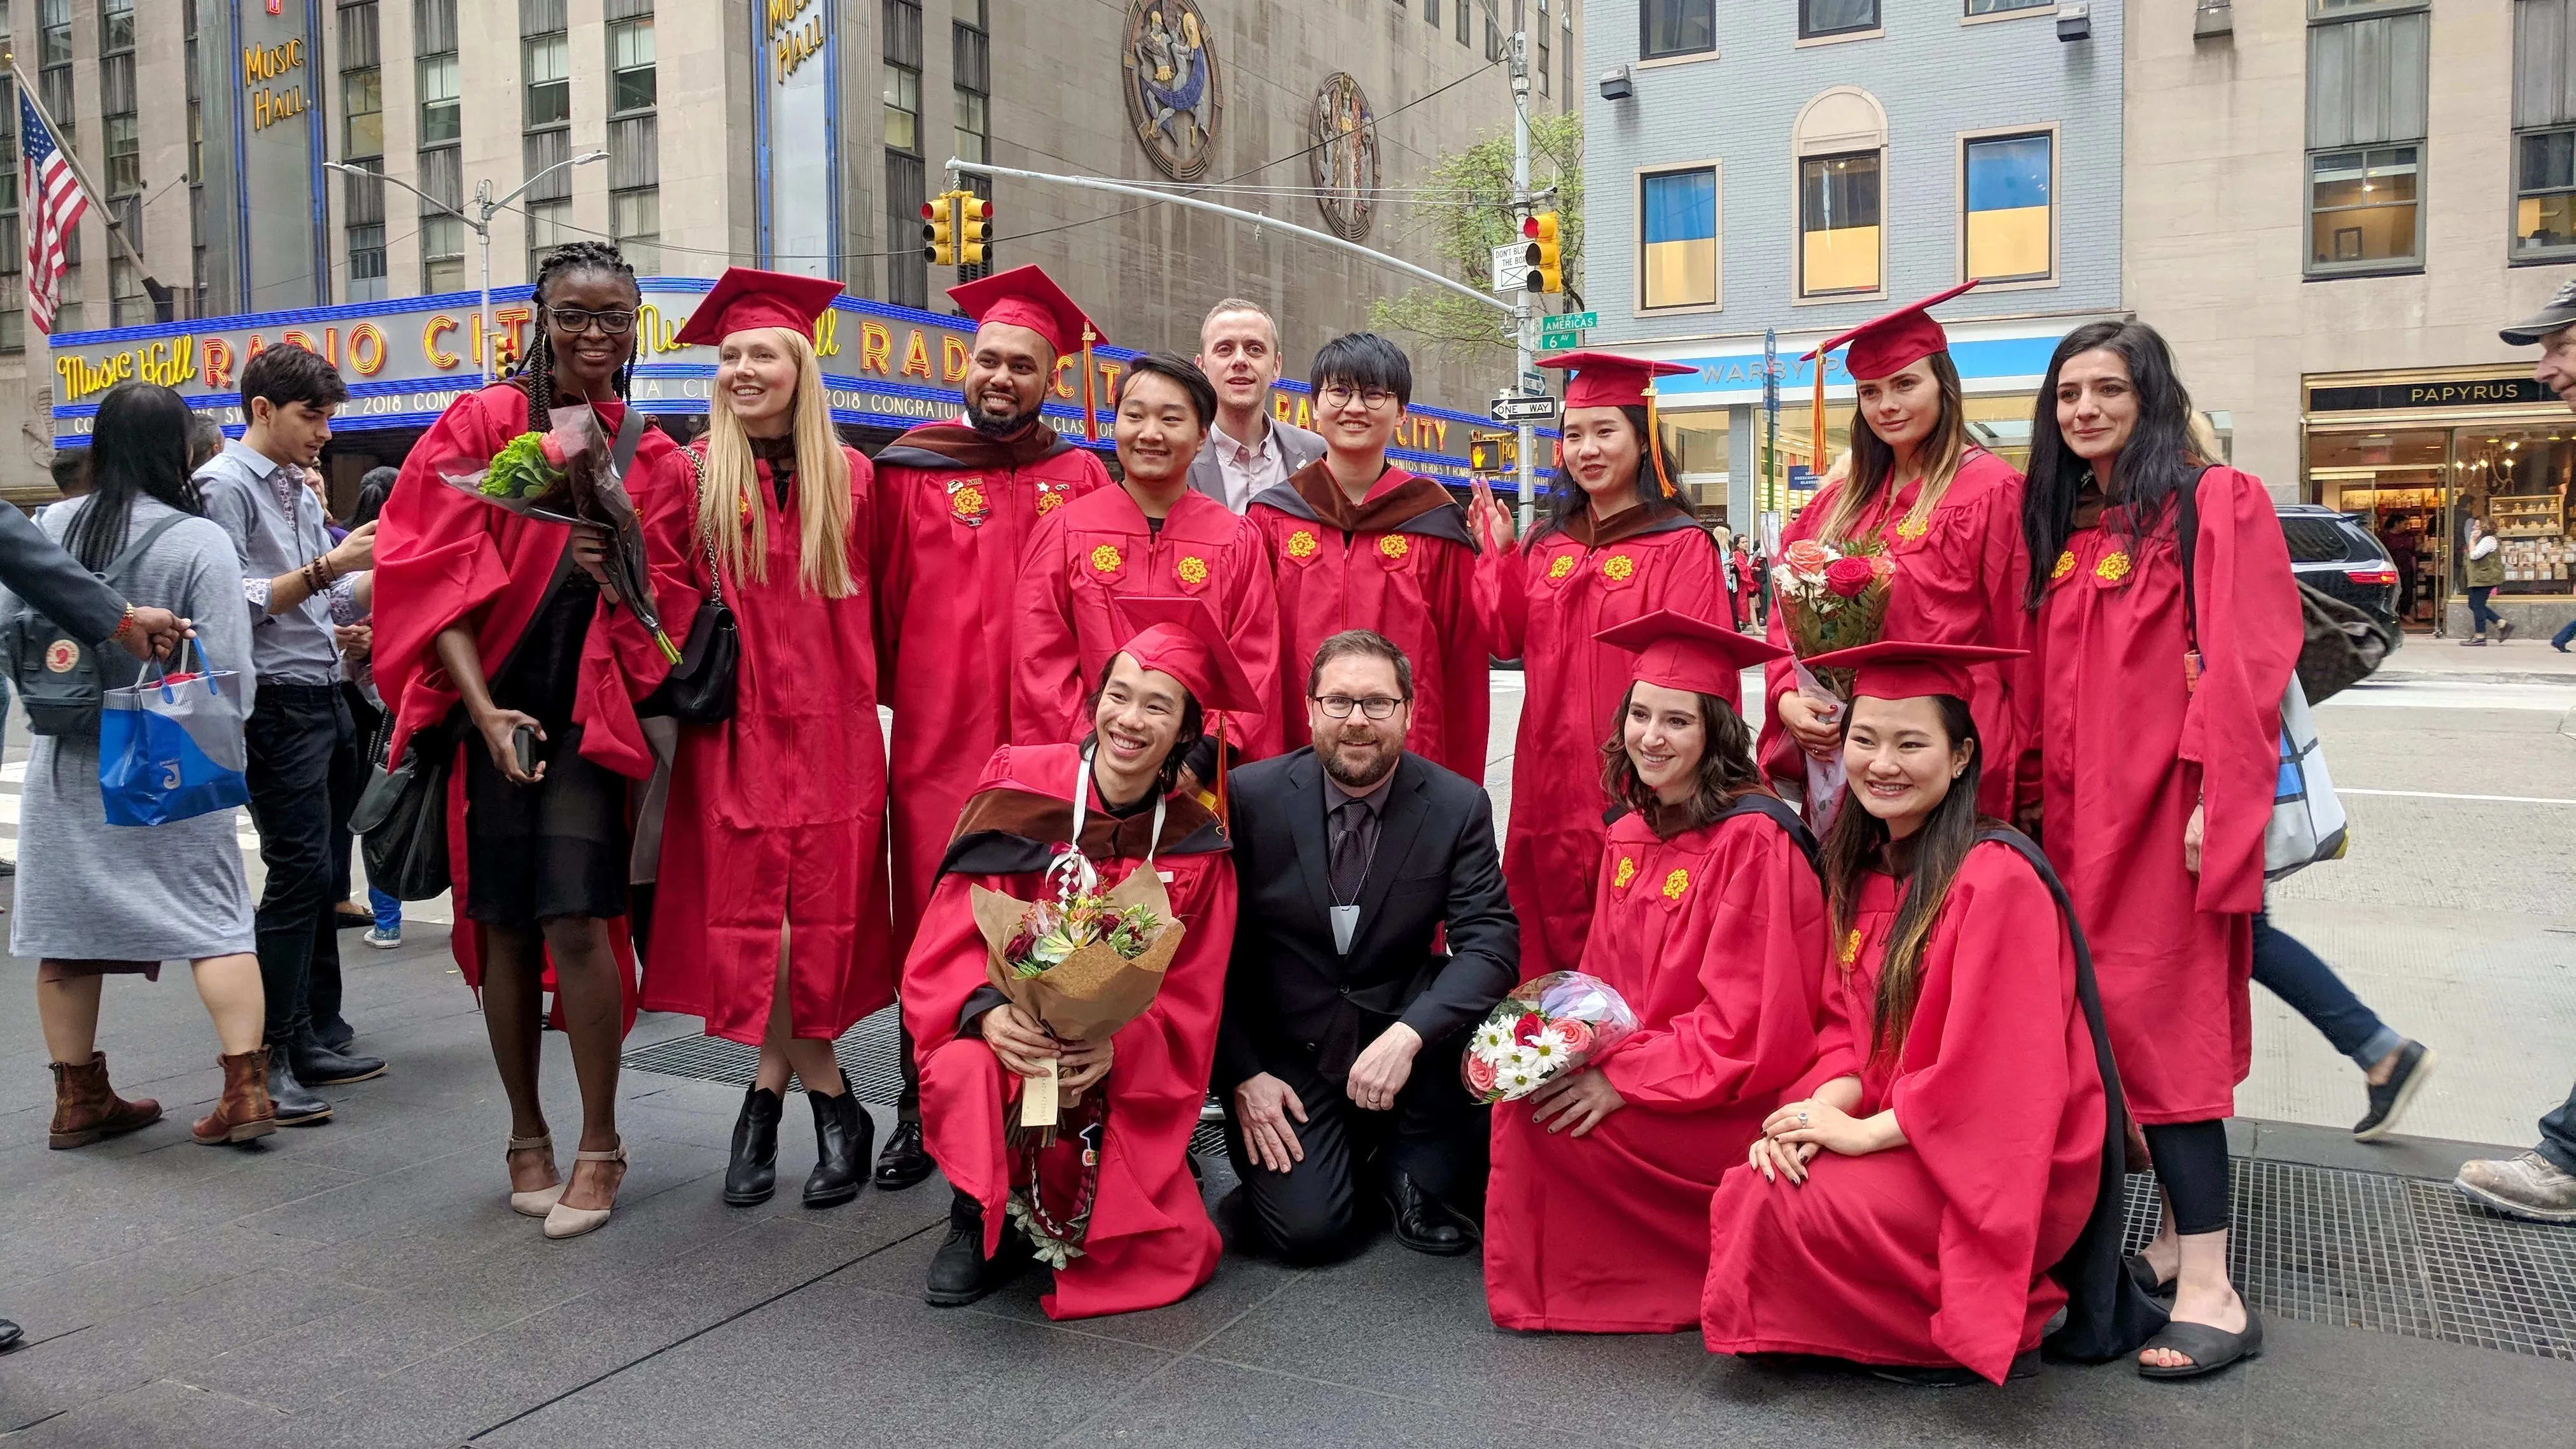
(1083, 965)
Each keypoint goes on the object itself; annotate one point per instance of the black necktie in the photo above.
(1347, 865)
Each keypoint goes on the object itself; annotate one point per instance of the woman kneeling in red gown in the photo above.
(1707, 918)
(1959, 1095)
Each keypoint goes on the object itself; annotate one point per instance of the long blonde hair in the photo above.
(726, 501)
(1872, 463)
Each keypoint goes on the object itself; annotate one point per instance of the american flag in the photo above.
(52, 204)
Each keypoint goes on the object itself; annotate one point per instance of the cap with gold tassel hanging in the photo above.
(1609, 380)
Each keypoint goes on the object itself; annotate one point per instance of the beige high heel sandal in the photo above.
(535, 1204)
(572, 1222)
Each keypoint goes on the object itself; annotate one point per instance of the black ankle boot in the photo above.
(843, 1136)
(959, 1272)
(905, 1162)
(297, 1105)
(751, 1175)
(320, 1066)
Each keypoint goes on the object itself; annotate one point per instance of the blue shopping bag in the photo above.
(171, 749)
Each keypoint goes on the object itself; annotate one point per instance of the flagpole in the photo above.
(80, 174)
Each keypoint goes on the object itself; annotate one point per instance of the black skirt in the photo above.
(558, 847)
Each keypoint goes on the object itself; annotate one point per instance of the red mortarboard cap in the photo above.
(1608, 380)
(1028, 297)
(747, 297)
(1884, 345)
(1904, 669)
(1180, 637)
(1680, 652)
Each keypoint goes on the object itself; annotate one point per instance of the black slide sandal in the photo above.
(2210, 1349)
(2143, 1274)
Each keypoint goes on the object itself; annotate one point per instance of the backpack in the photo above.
(56, 675)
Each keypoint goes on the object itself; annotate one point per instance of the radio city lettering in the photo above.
(795, 33)
(272, 82)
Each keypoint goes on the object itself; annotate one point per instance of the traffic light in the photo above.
(1493, 452)
(1543, 254)
(939, 230)
(974, 223)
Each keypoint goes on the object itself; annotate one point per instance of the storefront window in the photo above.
(2516, 479)
(1698, 461)
(2393, 483)
(2000, 424)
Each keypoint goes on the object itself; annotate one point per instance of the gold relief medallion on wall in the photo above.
(1343, 157)
(1174, 96)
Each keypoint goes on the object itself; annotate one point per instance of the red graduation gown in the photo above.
(1713, 938)
(2130, 748)
(776, 817)
(1543, 601)
(442, 557)
(954, 513)
(1959, 580)
(1100, 548)
(1398, 562)
(1935, 1252)
(1150, 1242)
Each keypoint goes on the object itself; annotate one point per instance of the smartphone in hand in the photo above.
(523, 742)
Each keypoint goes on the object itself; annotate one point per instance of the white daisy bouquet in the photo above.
(1548, 1026)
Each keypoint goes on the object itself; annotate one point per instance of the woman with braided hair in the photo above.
(490, 624)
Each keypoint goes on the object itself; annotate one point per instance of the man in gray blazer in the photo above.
(1248, 450)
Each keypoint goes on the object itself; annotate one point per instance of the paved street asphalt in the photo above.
(364, 1283)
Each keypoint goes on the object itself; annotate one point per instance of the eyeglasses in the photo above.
(576, 321)
(1372, 398)
(1339, 706)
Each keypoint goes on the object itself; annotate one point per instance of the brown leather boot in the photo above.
(86, 1108)
(244, 1111)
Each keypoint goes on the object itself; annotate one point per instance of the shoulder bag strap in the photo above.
(134, 552)
(698, 487)
(630, 433)
(2186, 538)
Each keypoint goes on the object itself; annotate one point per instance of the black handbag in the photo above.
(401, 817)
(700, 688)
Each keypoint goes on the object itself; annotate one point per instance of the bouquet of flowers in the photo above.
(1548, 1026)
(1830, 596)
(1083, 964)
(568, 474)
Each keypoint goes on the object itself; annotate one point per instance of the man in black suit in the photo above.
(1338, 1058)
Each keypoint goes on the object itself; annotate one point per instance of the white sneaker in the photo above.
(384, 938)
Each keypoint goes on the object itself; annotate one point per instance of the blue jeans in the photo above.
(2566, 634)
(2480, 616)
(2294, 973)
(388, 909)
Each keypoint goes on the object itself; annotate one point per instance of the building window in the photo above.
(1542, 34)
(2366, 106)
(971, 56)
(362, 110)
(440, 113)
(545, 143)
(635, 217)
(362, 144)
(1838, 226)
(1679, 27)
(1565, 55)
(902, 108)
(548, 59)
(1677, 231)
(1819, 18)
(115, 26)
(367, 263)
(441, 172)
(1459, 9)
(442, 254)
(2009, 232)
(634, 137)
(54, 76)
(630, 66)
(2544, 143)
(2006, 7)
(549, 226)
(127, 303)
(13, 246)
(1431, 13)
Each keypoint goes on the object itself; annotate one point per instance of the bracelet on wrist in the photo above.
(124, 625)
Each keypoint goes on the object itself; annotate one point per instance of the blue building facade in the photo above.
(1797, 167)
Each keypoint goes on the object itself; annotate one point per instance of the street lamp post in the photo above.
(481, 225)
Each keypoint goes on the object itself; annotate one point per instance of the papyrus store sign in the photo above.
(405, 360)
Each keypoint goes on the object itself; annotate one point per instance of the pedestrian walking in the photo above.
(2483, 570)
(504, 620)
(303, 772)
(1748, 582)
(1709, 923)
(2394, 1067)
(1249, 448)
(1110, 1201)
(356, 638)
(1615, 546)
(769, 918)
(1948, 515)
(956, 503)
(1153, 535)
(1358, 543)
(2154, 785)
(1914, 1206)
(95, 899)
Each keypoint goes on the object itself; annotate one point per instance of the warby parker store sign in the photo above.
(406, 360)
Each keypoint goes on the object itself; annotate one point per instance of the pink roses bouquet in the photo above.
(1548, 1026)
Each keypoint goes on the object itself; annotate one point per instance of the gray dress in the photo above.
(91, 891)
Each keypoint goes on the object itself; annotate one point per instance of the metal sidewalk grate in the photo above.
(2392, 1254)
(866, 1053)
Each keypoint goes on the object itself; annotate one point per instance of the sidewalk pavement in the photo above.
(2522, 658)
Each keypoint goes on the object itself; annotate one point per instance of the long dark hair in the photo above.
(1857, 841)
(1167, 775)
(1726, 768)
(138, 446)
(2154, 465)
(1567, 498)
(537, 373)
(374, 488)
(1873, 461)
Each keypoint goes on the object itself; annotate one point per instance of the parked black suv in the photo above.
(2335, 555)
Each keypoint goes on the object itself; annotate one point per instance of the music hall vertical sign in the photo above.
(260, 74)
(797, 141)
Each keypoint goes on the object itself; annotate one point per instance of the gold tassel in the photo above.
(1816, 421)
(1655, 443)
(1090, 415)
